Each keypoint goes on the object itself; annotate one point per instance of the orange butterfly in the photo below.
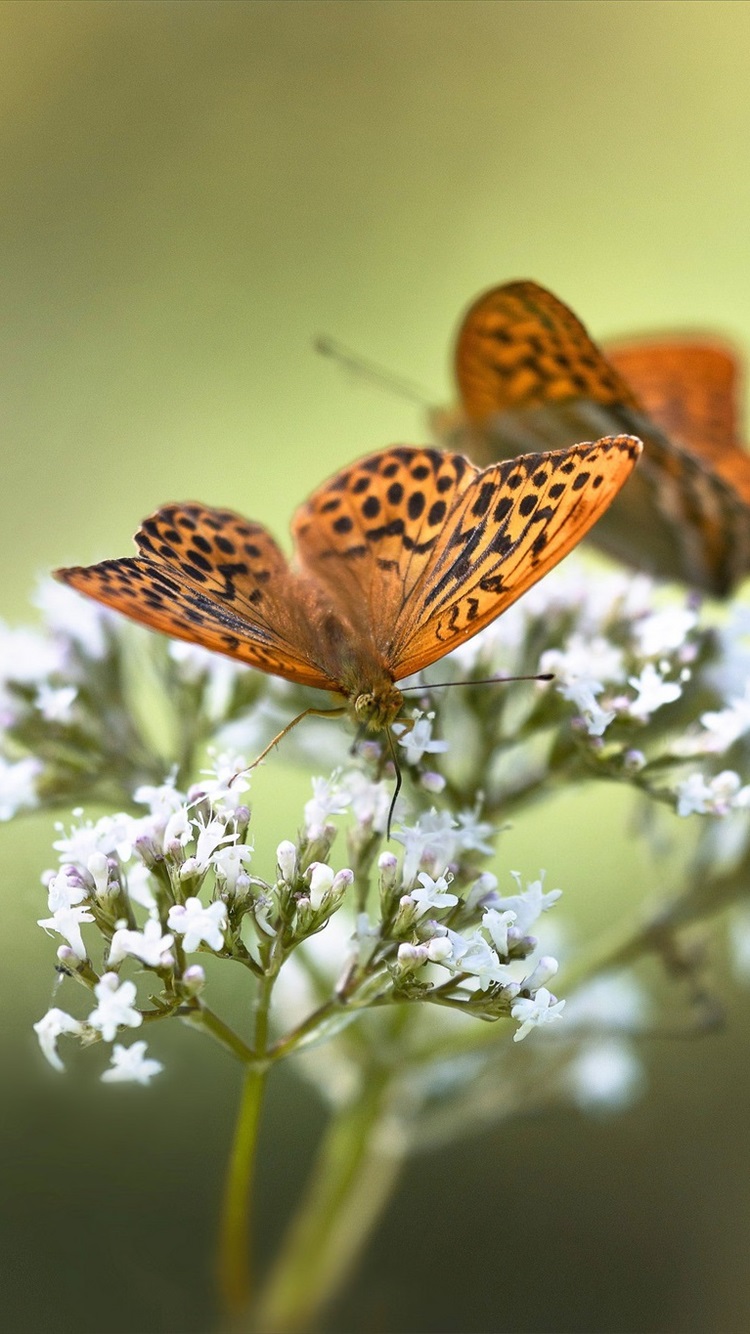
(399, 558)
(531, 378)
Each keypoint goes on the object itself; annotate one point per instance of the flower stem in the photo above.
(234, 1262)
(352, 1180)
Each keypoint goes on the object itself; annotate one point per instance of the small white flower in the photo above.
(115, 1009)
(131, 1065)
(163, 800)
(211, 837)
(225, 784)
(370, 802)
(49, 1028)
(55, 703)
(139, 886)
(529, 904)
(432, 894)
(178, 827)
(67, 922)
(230, 863)
(64, 890)
(472, 954)
(664, 631)
(196, 923)
(497, 924)
(433, 835)
(543, 1009)
(328, 799)
(18, 786)
(585, 662)
(723, 793)
(583, 695)
(653, 692)
(148, 945)
(417, 739)
(472, 834)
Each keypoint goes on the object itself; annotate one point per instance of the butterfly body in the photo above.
(531, 378)
(398, 559)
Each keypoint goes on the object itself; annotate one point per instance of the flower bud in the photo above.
(439, 949)
(406, 916)
(194, 979)
(411, 957)
(320, 877)
(541, 975)
(98, 868)
(432, 782)
(286, 860)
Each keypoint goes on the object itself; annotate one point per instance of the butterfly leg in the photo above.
(319, 713)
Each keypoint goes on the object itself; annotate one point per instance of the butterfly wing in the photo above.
(215, 579)
(691, 388)
(531, 378)
(426, 549)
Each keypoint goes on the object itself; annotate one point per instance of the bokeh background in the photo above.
(189, 193)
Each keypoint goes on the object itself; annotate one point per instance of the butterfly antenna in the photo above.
(399, 781)
(485, 681)
(369, 370)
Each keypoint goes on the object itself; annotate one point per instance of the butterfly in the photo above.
(531, 378)
(398, 559)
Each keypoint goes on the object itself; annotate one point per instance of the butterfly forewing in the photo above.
(519, 346)
(215, 579)
(511, 525)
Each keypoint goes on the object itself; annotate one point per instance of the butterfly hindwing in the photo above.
(212, 578)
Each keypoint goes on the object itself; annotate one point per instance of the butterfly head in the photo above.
(376, 708)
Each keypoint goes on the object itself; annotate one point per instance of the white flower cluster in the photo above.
(122, 867)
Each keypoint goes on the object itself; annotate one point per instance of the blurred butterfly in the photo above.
(531, 378)
(398, 559)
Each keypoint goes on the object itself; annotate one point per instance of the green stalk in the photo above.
(234, 1257)
(356, 1168)
(234, 1260)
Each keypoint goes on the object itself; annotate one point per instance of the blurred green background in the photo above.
(189, 193)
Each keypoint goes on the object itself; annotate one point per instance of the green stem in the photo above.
(234, 1267)
(356, 1168)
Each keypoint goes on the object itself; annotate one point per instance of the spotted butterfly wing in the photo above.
(690, 388)
(435, 548)
(215, 579)
(530, 378)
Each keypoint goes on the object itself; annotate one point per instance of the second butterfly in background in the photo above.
(530, 378)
